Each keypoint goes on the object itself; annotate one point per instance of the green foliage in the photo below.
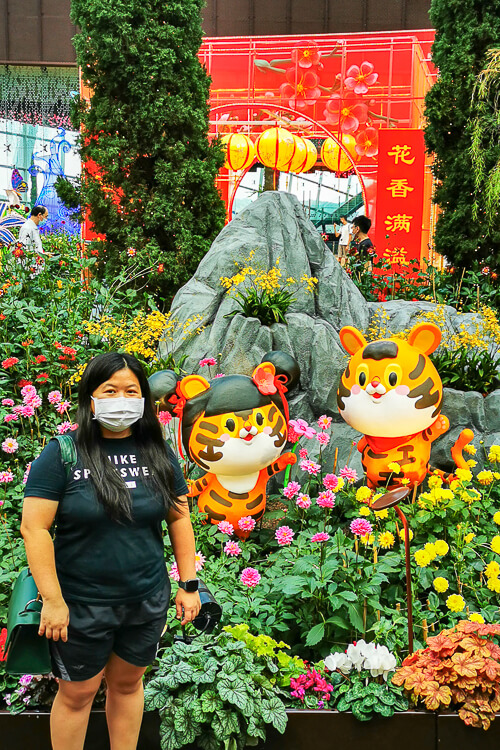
(215, 691)
(465, 29)
(147, 130)
(268, 307)
(367, 697)
(467, 369)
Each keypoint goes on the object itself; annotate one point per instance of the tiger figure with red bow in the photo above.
(392, 393)
(234, 428)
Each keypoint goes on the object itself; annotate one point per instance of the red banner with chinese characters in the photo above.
(400, 192)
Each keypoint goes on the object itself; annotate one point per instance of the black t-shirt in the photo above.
(362, 249)
(98, 560)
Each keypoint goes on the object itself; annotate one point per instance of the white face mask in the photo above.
(118, 414)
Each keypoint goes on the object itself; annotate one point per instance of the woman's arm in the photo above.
(181, 536)
(38, 517)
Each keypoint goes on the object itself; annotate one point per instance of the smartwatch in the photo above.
(191, 585)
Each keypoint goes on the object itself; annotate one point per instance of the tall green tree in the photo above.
(153, 194)
(465, 29)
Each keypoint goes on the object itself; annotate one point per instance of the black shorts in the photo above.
(131, 631)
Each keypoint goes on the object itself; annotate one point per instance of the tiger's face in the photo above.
(390, 387)
(236, 443)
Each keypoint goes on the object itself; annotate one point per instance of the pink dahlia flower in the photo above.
(27, 392)
(361, 527)
(64, 427)
(303, 453)
(7, 402)
(232, 549)
(310, 467)
(326, 499)
(199, 561)
(324, 422)
(323, 438)
(10, 418)
(284, 535)
(303, 501)
(331, 482)
(164, 417)
(247, 523)
(27, 411)
(35, 401)
(250, 577)
(63, 406)
(6, 476)
(321, 536)
(54, 397)
(292, 489)
(225, 527)
(207, 361)
(10, 445)
(349, 474)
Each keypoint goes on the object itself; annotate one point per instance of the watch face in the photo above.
(192, 585)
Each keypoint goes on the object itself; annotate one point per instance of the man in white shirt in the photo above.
(29, 234)
(345, 238)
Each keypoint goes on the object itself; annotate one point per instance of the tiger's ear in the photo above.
(425, 337)
(192, 386)
(351, 339)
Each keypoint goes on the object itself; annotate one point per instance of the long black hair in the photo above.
(110, 488)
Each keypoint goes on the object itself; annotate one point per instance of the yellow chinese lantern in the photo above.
(275, 148)
(240, 151)
(334, 158)
(311, 155)
(298, 155)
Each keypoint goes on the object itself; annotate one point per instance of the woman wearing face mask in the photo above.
(103, 579)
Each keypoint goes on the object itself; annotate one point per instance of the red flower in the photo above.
(2, 316)
(22, 383)
(348, 112)
(3, 639)
(43, 377)
(18, 252)
(40, 359)
(64, 367)
(94, 252)
(367, 142)
(302, 90)
(161, 268)
(359, 78)
(305, 55)
(69, 352)
(10, 362)
(57, 345)
(264, 380)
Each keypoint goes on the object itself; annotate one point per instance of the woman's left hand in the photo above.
(187, 604)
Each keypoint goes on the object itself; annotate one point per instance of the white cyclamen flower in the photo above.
(338, 661)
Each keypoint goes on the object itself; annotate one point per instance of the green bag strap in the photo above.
(68, 452)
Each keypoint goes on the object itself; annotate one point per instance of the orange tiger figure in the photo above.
(235, 428)
(392, 393)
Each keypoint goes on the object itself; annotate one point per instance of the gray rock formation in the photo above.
(276, 227)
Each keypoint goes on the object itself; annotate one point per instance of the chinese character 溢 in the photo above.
(396, 255)
(400, 188)
(401, 153)
(398, 223)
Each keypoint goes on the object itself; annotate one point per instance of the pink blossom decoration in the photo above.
(225, 528)
(323, 438)
(331, 482)
(291, 489)
(64, 427)
(174, 572)
(164, 417)
(250, 577)
(361, 527)
(264, 380)
(347, 111)
(303, 501)
(302, 428)
(305, 54)
(301, 89)
(284, 535)
(207, 361)
(63, 406)
(10, 418)
(349, 474)
(310, 467)
(10, 445)
(321, 536)
(7, 402)
(367, 142)
(324, 422)
(303, 453)
(232, 549)
(360, 77)
(247, 523)
(326, 499)
(54, 397)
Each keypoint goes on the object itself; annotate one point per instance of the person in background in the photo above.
(363, 245)
(345, 238)
(29, 234)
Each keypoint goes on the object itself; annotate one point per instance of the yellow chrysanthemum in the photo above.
(431, 550)
(455, 603)
(471, 463)
(340, 484)
(441, 547)
(381, 513)
(394, 467)
(435, 481)
(494, 454)
(386, 540)
(492, 570)
(402, 534)
(470, 449)
(469, 537)
(494, 585)
(422, 558)
(364, 511)
(454, 485)
(363, 494)
(405, 481)
(485, 477)
(440, 584)
(476, 617)
(368, 538)
(464, 475)
(496, 518)
(495, 544)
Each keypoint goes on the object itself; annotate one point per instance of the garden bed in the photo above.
(420, 730)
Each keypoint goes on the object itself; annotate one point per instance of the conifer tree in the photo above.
(153, 194)
(465, 29)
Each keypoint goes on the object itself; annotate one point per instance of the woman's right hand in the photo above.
(54, 619)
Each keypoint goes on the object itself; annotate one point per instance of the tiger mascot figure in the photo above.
(391, 392)
(235, 428)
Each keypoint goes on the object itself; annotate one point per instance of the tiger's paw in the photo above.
(287, 459)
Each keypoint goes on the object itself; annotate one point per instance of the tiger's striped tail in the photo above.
(465, 437)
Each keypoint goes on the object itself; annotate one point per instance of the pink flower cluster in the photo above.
(326, 499)
(324, 422)
(323, 438)
(232, 549)
(360, 527)
(331, 482)
(247, 523)
(164, 417)
(303, 501)
(349, 474)
(250, 577)
(225, 528)
(310, 467)
(312, 680)
(292, 489)
(284, 535)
